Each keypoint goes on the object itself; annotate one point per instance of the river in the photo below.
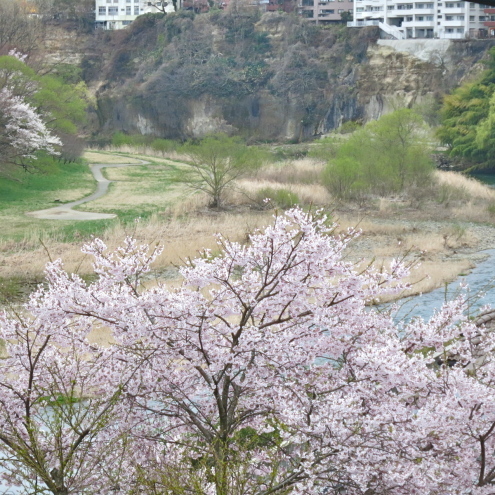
(479, 288)
(479, 284)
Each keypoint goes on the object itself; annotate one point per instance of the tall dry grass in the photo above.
(430, 275)
(248, 192)
(300, 177)
(302, 171)
(466, 187)
(188, 226)
(181, 238)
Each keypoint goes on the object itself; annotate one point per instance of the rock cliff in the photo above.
(270, 77)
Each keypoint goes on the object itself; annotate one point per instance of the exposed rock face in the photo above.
(64, 44)
(297, 82)
(413, 71)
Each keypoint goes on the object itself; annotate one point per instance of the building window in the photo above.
(405, 6)
(449, 5)
(359, 9)
(429, 17)
(136, 9)
(409, 18)
(113, 10)
(449, 17)
(102, 10)
(483, 18)
(419, 18)
(449, 30)
(460, 30)
(128, 10)
(328, 11)
(340, 11)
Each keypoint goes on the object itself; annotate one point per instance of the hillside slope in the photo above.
(270, 77)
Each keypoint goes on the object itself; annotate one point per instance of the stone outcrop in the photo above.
(300, 88)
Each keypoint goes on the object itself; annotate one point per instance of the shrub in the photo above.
(282, 198)
(123, 139)
(164, 145)
(349, 127)
(385, 157)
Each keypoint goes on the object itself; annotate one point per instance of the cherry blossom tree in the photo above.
(264, 372)
(62, 423)
(36, 111)
(22, 130)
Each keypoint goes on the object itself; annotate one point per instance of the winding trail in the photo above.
(65, 211)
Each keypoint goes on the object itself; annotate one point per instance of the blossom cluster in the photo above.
(24, 131)
(264, 371)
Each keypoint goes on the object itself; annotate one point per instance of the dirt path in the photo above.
(65, 211)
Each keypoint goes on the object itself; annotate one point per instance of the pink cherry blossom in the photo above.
(265, 371)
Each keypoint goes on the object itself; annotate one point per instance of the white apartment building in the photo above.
(117, 14)
(402, 19)
(324, 11)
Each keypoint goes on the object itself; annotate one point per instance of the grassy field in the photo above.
(153, 208)
(59, 183)
(138, 191)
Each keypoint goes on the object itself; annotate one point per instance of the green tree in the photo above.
(384, 157)
(215, 163)
(466, 120)
(61, 106)
(346, 17)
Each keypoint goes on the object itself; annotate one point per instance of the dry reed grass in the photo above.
(181, 238)
(302, 171)
(467, 186)
(431, 275)
(186, 226)
(249, 189)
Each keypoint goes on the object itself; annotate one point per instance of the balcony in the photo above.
(424, 11)
(362, 23)
(489, 11)
(449, 24)
(419, 24)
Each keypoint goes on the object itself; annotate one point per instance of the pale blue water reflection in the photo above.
(480, 292)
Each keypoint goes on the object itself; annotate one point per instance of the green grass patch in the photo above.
(53, 184)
